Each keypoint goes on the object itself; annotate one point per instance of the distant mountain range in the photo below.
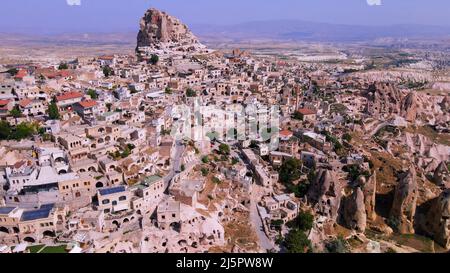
(276, 30)
(318, 32)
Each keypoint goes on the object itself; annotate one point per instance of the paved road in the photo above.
(264, 241)
(176, 163)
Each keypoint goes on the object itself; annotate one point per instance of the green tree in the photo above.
(339, 245)
(190, 93)
(216, 180)
(5, 130)
(205, 171)
(303, 222)
(53, 112)
(12, 71)
(224, 149)
(290, 170)
(296, 241)
(205, 159)
(107, 71)
(168, 91)
(15, 112)
(276, 224)
(126, 152)
(93, 94)
(347, 137)
(154, 59)
(23, 130)
(63, 66)
(234, 161)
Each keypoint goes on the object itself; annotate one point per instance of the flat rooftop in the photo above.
(111, 190)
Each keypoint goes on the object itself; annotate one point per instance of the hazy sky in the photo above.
(43, 16)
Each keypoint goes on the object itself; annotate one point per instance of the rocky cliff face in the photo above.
(325, 194)
(409, 107)
(405, 201)
(383, 98)
(438, 219)
(369, 188)
(441, 175)
(354, 212)
(158, 27)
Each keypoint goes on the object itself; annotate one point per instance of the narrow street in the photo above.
(176, 165)
(256, 221)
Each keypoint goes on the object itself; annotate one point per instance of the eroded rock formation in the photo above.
(409, 107)
(325, 194)
(441, 174)
(369, 188)
(383, 98)
(405, 201)
(354, 212)
(158, 27)
(438, 219)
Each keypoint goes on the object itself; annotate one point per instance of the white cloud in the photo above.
(73, 2)
(374, 2)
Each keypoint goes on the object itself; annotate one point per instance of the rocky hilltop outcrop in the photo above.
(157, 27)
(405, 201)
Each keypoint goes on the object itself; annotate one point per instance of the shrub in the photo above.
(205, 171)
(297, 242)
(216, 180)
(190, 93)
(338, 245)
(290, 170)
(303, 222)
(154, 59)
(224, 149)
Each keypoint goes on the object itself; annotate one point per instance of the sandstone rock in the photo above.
(409, 107)
(382, 228)
(426, 148)
(445, 104)
(383, 98)
(431, 166)
(325, 194)
(369, 188)
(159, 27)
(405, 201)
(429, 194)
(354, 212)
(438, 219)
(236, 249)
(441, 174)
